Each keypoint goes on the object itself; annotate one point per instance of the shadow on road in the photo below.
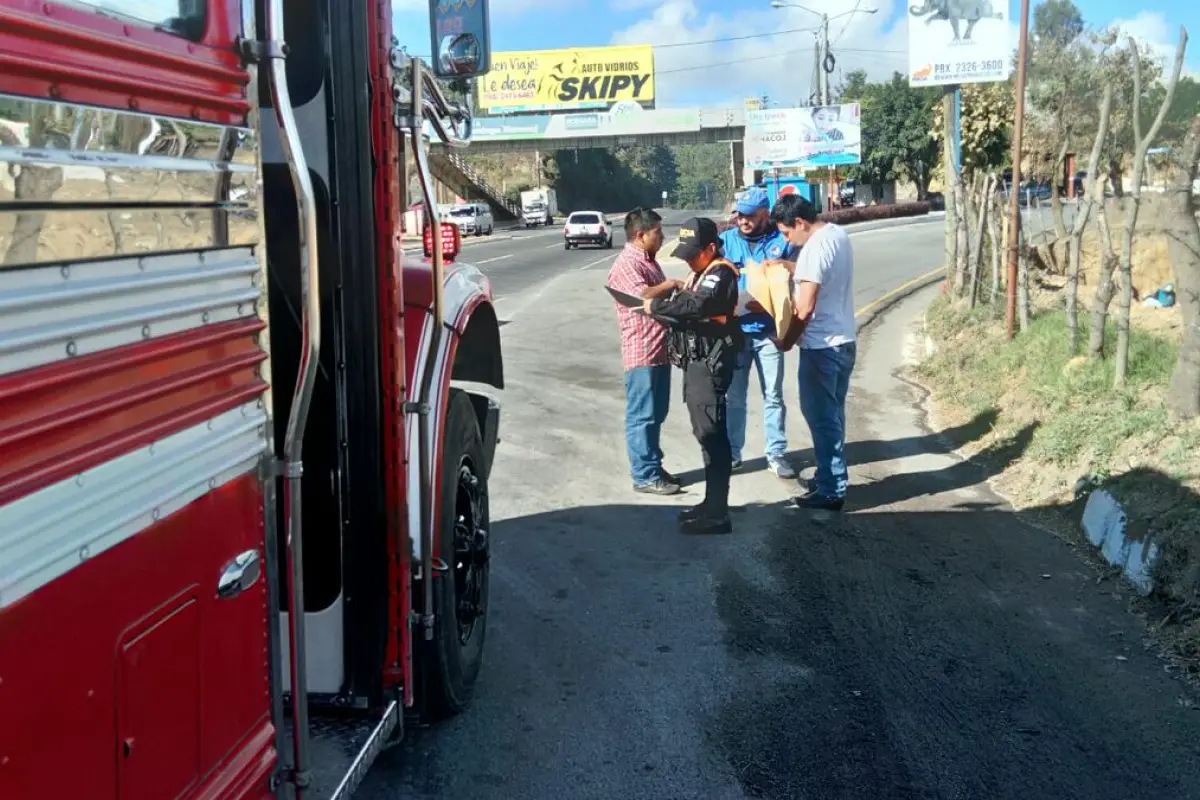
(895, 487)
(935, 652)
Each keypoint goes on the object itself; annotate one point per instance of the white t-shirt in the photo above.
(827, 259)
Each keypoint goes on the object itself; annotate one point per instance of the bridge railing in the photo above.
(473, 178)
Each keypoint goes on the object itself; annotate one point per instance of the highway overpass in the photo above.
(622, 125)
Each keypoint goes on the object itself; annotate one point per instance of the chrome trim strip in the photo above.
(82, 182)
(52, 314)
(43, 157)
(369, 752)
(31, 238)
(53, 125)
(46, 534)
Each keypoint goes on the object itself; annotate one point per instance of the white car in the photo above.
(472, 218)
(586, 227)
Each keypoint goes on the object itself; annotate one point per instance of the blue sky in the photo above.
(779, 65)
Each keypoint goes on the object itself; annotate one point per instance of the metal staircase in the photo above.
(454, 171)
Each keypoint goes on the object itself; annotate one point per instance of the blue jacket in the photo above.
(739, 250)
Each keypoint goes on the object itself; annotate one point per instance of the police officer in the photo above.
(704, 341)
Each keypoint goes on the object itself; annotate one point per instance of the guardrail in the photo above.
(478, 182)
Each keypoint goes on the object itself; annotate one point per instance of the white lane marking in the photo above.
(597, 261)
(496, 258)
(549, 246)
(532, 298)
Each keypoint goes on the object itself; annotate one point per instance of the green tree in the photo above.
(896, 119)
(1057, 21)
(705, 177)
(1179, 117)
(1062, 86)
(987, 110)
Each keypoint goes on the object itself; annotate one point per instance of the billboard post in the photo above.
(575, 79)
(949, 51)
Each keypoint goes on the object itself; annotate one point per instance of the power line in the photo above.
(868, 54)
(849, 18)
(723, 40)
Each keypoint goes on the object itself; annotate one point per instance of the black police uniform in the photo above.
(704, 341)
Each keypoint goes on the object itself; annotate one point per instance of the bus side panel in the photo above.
(133, 673)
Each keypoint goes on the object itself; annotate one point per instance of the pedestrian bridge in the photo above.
(624, 124)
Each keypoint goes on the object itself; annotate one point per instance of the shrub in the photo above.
(846, 216)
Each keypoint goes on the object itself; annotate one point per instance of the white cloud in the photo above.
(1151, 30)
(778, 66)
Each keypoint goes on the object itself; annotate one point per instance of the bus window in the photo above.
(184, 18)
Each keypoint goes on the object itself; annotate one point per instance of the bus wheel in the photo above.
(460, 592)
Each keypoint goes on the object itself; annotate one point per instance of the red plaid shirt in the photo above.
(643, 340)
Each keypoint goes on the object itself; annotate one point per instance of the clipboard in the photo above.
(627, 300)
(635, 303)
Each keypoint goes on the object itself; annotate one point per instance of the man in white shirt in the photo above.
(823, 295)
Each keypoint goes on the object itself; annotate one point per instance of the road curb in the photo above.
(1106, 525)
(1104, 521)
(873, 310)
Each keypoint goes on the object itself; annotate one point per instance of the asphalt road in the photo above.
(524, 264)
(927, 643)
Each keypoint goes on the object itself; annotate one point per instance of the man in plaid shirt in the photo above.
(644, 351)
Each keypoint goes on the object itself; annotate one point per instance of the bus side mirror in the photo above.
(460, 38)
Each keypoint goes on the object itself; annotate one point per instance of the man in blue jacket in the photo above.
(756, 238)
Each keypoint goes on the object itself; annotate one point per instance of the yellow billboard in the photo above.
(576, 78)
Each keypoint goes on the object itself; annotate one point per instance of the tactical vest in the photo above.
(686, 344)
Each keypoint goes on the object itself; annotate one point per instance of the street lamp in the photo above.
(824, 34)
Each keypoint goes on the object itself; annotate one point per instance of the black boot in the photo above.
(706, 522)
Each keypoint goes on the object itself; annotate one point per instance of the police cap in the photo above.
(695, 235)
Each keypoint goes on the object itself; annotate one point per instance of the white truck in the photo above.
(538, 206)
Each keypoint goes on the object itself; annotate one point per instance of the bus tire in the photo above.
(452, 660)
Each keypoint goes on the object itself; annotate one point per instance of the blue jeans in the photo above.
(761, 353)
(647, 398)
(824, 382)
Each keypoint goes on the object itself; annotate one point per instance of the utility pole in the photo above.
(1014, 228)
(831, 188)
(824, 59)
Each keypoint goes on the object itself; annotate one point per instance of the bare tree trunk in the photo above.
(1056, 206)
(1139, 168)
(1023, 280)
(1105, 288)
(949, 169)
(977, 253)
(1183, 393)
(1093, 194)
(996, 200)
(962, 243)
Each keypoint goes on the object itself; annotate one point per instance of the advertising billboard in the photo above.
(621, 120)
(803, 138)
(568, 80)
(952, 42)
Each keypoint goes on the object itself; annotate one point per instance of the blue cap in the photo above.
(752, 200)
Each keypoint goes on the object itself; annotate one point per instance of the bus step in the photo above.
(341, 750)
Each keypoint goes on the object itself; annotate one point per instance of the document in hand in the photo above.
(631, 301)
(627, 300)
(771, 286)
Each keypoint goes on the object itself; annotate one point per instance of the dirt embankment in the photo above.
(1086, 432)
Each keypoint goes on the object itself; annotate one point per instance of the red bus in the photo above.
(244, 443)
